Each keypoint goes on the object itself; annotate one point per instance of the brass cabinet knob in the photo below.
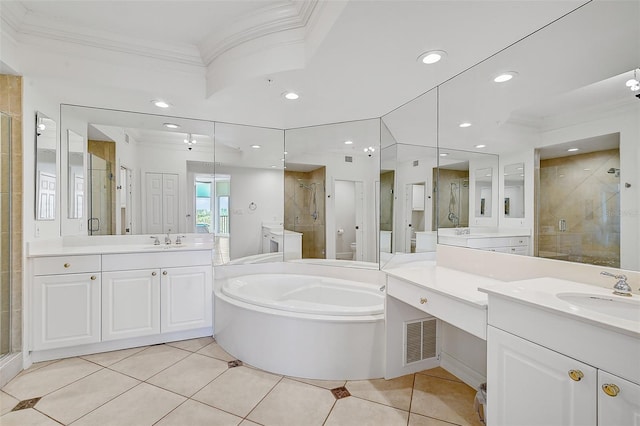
(611, 389)
(154, 273)
(423, 300)
(164, 272)
(67, 265)
(93, 277)
(576, 375)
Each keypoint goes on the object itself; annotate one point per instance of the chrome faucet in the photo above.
(167, 240)
(621, 288)
(156, 241)
(179, 239)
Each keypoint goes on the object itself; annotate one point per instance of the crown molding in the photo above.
(12, 14)
(590, 113)
(37, 30)
(281, 17)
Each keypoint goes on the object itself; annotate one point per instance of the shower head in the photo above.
(614, 171)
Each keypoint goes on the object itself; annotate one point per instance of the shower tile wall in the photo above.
(11, 104)
(445, 178)
(386, 200)
(579, 190)
(298, 210)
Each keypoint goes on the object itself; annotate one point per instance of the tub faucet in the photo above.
(621, 287)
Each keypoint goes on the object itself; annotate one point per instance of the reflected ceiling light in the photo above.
(285, 153)
(573, 149)
(634, 83)
(171, 126)
(432, 56)
(160, 103)
(189, 140)
(481, 146)
(505, 76)
(255, 146)
(348, 142)
(41, 126)
(273, 167)
(292, 96)
(465, 124)
(444, 154)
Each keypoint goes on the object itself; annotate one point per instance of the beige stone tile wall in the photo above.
(11, 104)
(445, 179)
(579, 190)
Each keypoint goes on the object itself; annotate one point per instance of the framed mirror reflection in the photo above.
(46, 167)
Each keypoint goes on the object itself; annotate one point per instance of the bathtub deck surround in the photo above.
(318, 321)
(190, 382)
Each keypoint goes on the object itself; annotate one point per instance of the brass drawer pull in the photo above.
(154, 273)
(423, 300)
(611, 389)
(576, 375)
(93, 277)
(164, 272)
(67, 265)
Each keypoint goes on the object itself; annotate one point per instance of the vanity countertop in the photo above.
(543, 293)
(449, 282)
(450, 233)
(70, 246)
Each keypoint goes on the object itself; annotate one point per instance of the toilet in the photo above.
(353, 246)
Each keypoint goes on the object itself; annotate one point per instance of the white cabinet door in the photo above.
(618, 401)
(187, 298)
(66, 310)
(130, 304)
(528, 384)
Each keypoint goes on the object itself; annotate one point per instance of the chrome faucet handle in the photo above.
(179, 239)
(167, 239)
(621, 287)
(156, 241)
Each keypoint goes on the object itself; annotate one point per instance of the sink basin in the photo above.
(619, 307)
(165, 247)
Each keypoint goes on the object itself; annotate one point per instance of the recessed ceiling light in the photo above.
(487, 175)
(505, 76)
(160, 103)
(282, 159)
(255, 146)
(573, 149)
(465, 124)
(292, 96)
(273, 167)
(348, 142)
(481, 146)
(285, 153)
(171, 126)
(444, 154)
(432, 56)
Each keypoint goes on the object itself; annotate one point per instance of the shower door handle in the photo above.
(562, 225)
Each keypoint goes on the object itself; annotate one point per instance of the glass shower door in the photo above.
(5, 246)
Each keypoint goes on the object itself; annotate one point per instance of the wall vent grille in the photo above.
(415, 163)
(348, 159)
(420, 340)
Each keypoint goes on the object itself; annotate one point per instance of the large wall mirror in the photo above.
(140, 171)
(46, 167)
(248, 182)
(330, 182)
(563, 126)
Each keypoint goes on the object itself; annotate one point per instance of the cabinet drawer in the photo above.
(168, 259)
(471, 319)
(66, 264)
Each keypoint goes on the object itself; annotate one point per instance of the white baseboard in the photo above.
(10, 366)
(461, 371)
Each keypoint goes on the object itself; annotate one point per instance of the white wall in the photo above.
(345, 207)
(474, 204)
(407, 174)
(264, 187)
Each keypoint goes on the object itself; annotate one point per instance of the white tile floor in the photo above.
(190, 383)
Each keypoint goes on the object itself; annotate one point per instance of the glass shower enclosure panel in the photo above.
(5, 246)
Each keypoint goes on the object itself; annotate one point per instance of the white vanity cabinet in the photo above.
(186, 296)
(536, 386)
(618, 401)
(502, 244)
(130, 303)
(66, 301)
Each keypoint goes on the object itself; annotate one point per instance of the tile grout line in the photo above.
(413, 388)
(262, 399)
(326, 419)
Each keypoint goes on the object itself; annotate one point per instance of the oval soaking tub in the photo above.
(302, 325)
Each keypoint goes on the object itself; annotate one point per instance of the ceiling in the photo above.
(232, 60)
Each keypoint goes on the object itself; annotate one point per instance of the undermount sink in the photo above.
(619, 307)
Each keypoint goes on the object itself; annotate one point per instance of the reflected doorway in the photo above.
(348, 210)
